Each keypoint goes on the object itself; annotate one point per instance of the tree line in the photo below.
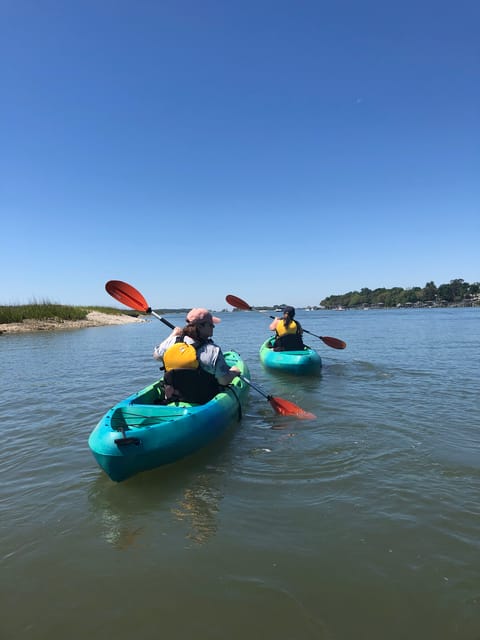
(456, 291)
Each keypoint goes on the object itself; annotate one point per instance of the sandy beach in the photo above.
(94, 319)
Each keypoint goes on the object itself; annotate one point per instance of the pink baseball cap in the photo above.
(199, 315)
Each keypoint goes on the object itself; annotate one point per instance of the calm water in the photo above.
(362, 524)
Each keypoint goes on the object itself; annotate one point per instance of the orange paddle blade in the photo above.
(281, 406)
(127, 295)
(238, 302)
(333, 342)
(287, 408)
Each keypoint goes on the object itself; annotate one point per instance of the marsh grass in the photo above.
(50, 311)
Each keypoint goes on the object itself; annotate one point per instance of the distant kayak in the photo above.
(141, 432)
(300, 363)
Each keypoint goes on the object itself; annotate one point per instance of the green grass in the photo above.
(51, 311)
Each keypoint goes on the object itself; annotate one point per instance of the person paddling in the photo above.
(195, 367)
(288, 332)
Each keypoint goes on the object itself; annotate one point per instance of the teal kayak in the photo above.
(141, 433)
(300, 363)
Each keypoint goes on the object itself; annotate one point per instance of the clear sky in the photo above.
(278, 150)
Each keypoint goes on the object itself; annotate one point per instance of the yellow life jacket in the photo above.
(180, 356)
(282, 330)
(184, 378)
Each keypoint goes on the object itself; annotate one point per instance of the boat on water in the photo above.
(141, 432)
(301, 363)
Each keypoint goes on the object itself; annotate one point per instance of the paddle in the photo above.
(281, 406)
(131, 297)
(335, 343)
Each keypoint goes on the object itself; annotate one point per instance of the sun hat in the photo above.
(199, 315)
(289, 310)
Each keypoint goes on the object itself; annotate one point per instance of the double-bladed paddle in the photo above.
(131, 297)
(335, 343)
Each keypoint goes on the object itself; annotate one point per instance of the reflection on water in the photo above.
(198, 507)
(119, 534)
(119, 509)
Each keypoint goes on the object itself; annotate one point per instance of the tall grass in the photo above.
(49, 311)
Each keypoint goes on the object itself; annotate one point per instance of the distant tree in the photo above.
(455, 291)
(445, 292)
(355, 299)
(459, 289)
(409, 296)
(474, 288)
(429, 291)
(379, 295)
(366, 295)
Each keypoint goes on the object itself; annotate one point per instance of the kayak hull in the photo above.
(139, 434)
(299, 363)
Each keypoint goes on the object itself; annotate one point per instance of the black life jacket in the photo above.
(191, 384)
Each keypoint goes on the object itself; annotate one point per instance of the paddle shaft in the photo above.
(153, 313)
(250, 383)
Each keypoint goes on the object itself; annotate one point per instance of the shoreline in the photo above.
(93, 319)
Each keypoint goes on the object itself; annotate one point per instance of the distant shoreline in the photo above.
(98, 319)
(451, 305)
(93, 319)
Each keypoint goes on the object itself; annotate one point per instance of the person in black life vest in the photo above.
(288, 332)
(195, 367)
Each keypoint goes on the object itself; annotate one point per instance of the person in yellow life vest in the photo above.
(288, 332)
(195, 367)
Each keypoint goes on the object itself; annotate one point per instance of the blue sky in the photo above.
(280, 151)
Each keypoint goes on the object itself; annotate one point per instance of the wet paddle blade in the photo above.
(127, 295)
(238, 302)
(281, 406)
(335, 343)
(287, 408)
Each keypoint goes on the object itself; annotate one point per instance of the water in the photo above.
(361, 524)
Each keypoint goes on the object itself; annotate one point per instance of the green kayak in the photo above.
(300, 363)
(141, 432)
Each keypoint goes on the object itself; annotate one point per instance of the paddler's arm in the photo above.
(233, 372)
(273, 324)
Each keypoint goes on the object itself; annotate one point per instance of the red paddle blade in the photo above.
(334, 342)
(127, 295)
(287, 408)
(238, 302)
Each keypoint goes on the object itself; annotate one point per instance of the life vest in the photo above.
(180, 356)
(288, 338)
(184, 378)
(282, 330)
